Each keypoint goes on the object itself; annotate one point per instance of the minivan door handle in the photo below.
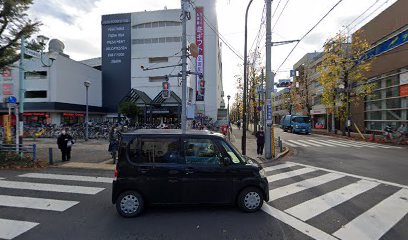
(189, 170)
(144, 169)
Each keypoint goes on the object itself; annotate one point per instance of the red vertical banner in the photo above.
(200, 57)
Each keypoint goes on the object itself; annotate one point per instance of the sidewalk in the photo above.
(236, 139)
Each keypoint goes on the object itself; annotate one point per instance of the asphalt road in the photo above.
(318, 192)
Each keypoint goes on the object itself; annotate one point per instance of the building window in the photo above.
(156, 40)
(157, 24)
(157, 79)
(35, 75)
(158, 59)
(35, 94)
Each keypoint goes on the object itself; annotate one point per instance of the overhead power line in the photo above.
(307, 33)
(277, 20)
(219, 34)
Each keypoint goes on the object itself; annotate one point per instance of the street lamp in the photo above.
(228, 117)
(86, 84)
(244, 99)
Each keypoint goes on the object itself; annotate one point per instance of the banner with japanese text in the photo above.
(200, 45)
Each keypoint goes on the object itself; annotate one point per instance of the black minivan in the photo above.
(166, 166)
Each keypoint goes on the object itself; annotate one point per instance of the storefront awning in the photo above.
(137, 97)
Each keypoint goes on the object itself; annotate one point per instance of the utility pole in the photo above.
(21, 92)
(269, 80)
(184, 9)
(262, 99)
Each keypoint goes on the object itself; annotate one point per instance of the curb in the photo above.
(98, 166)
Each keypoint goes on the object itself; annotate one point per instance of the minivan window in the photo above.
(231, 153)
(201, 151)
(301, 120)
(165, 150)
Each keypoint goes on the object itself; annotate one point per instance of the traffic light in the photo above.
(166, 90)
(201, 90)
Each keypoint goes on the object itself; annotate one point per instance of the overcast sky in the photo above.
(77, 24)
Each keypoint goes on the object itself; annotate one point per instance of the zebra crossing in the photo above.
(291, 181)
(12, 228)
(335, 143)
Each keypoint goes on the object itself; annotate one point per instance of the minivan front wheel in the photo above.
(129, 204)
(250, 199)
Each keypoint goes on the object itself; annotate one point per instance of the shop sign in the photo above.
(404, 90)
(387, 45)
(34, 114)
(73, 114)
(404, 78)
(7, 89)
(200, 45)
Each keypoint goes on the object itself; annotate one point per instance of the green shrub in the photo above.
(14, 160)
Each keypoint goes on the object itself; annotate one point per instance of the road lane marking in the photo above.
(68, 177)
(297, 224)
(301, 144)
(50, 187)
(322, 143)
(290, 144)
(279, 166)
(290, 174)
(375, 222)
(36, 203)
(318, 205)
(310, 143)
(302, 185)
(10, 229)
(353, 175)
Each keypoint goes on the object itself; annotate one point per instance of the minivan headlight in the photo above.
(262, 173)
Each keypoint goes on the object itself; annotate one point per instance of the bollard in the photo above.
(50, 160)
(34, 152)
(280, 145)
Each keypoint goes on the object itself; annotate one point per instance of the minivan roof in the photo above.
(172, 132)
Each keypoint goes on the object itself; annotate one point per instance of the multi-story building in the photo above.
(137, 49)
(388, 105)
(54, 93)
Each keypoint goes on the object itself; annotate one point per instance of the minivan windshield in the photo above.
(235, 155)
(301, 120)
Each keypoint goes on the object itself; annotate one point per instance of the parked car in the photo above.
(296, 124)
(169, 166)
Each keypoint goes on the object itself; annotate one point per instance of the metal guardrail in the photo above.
(30, 149)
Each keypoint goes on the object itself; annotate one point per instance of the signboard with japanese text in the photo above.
(200, 45)
(404, 90)
(387, 45)
(116, 59)
(8, 89)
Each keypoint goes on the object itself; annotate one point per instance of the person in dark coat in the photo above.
(113, 143)
(260, 141)
(65, 143)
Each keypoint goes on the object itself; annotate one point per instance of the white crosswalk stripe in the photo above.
(334, 143)
(322, 143)
(50, 187)
(371, 224)
(318, 205)
(375, 222)
(36, 203)
(296, 142)
(302, 185)
(279, 166)
(10, 229)
(290, 174)
(67, 177)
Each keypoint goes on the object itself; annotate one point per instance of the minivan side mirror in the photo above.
(227, 161)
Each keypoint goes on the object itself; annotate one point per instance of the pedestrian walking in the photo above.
(65, 143)
(260, 141)
(113, 143)
(239, 124)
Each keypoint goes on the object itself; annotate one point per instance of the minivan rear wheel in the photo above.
(129, 204)
(250, 199)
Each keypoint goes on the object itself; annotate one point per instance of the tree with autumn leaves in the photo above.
(343, 75)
